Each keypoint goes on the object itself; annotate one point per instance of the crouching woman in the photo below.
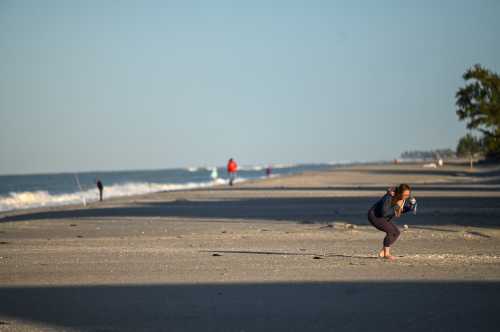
(392, 205)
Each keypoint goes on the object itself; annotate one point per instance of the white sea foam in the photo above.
(263, 167)
(34, 199)
(284, 165)
(250, 168)
(340, 162)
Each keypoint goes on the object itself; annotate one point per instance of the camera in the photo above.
(410, 205)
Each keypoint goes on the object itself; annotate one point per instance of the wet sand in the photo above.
(285, 254)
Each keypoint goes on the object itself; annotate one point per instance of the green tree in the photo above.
(468, 147)
(478, 103)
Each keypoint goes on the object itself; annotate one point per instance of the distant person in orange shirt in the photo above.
(232, 168)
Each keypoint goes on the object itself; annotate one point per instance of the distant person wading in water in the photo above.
(100, 187)
(394, 203)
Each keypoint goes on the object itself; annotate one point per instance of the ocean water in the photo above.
(39, 190)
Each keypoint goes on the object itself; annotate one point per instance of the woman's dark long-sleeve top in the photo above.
(384, 208)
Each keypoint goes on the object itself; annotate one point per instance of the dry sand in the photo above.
(285, 254)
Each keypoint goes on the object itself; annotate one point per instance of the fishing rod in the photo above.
(81, 191)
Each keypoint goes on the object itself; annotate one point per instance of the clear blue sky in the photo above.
(102, 85)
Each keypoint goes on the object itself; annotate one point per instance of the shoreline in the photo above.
(463, 177)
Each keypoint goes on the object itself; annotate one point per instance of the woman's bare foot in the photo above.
(386, 253)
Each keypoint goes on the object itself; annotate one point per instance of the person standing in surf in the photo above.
(392, 205)
(100, 187)
(269, 170)
(232, 168)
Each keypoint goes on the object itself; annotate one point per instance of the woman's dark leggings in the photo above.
(391, 230)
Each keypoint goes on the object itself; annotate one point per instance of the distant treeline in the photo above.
(430, 154)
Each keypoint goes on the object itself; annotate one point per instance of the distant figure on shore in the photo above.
(393, 204)
(440, 162)
(214, 175)
(268, 171)
(232, 168)
(100, 187)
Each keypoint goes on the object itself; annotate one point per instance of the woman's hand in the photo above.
(399, 207)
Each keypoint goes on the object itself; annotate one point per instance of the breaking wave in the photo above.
(34, 199)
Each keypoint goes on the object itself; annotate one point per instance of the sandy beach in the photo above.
(292, 253)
